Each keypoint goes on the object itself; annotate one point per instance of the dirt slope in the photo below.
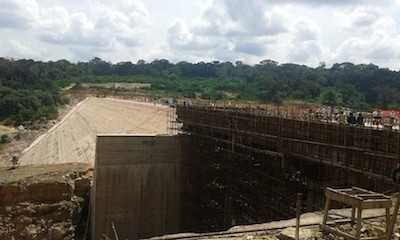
(73, 138)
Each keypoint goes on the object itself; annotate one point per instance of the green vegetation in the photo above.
(29, 90)
(358, 86)
(4, 139)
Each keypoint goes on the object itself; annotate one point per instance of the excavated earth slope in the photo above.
(44, 202)
(73, 138)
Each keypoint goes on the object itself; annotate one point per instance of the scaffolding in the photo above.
(173, 127)
(261, 157)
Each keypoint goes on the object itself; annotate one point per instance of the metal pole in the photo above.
(115, 231)
(298, 214)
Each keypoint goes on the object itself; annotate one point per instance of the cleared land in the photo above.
(73, 138)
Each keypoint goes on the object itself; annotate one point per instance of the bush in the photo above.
(65, 100)
(5, 139)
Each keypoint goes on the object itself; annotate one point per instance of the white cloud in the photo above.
(301, 31)
(251, 48)
(305, 46)
(377, 48)
(181, 38)
(98, 31)
(372, 37)
(20, 49)
(228, 30)
(95, 28)
(329, 3)
(17, 14)
(306, 30)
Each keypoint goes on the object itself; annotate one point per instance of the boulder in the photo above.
(49, 192)
(82, 187)
(57, 233)
(30, 232)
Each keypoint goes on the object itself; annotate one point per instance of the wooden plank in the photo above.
(352, 201)
(374, 204)
(375, 238)
(326, 210)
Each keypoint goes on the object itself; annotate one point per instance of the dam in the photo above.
(140, 186)
(231, 166)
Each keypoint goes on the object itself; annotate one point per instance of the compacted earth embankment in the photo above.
(44, 202)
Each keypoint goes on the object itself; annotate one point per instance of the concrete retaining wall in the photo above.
(137, 186)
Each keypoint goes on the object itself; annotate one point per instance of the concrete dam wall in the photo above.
(139, 186)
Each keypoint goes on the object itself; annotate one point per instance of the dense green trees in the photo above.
(29, 89)
(361, 86)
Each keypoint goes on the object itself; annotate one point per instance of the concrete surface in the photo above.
(137, 186)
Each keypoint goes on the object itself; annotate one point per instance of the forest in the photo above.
(30, 90)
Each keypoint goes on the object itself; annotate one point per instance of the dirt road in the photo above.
(73, 138)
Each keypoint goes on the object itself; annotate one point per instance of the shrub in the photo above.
(5, 139)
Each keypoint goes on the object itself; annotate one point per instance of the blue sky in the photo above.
(300, 31)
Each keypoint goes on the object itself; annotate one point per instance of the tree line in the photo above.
(29, 89)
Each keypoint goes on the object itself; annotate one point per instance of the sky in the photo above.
(307, 32)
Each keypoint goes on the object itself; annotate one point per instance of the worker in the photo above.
(377, 118)
(14, 162)
(351, 119)
(360, 120)
(391, 119)
(342, 118)
(311, 115)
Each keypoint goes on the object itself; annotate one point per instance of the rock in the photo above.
(43, 205)
(82, 187)
(25, 211)
(44, 209)
(25, 220)
(46, 192)
(290, 233)
(378, 230)
(30, 232)
(49, 192)
(9, 194)
(57, 233)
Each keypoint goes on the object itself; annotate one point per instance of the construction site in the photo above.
(130, 170)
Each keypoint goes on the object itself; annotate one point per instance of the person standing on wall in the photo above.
(360, 120)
